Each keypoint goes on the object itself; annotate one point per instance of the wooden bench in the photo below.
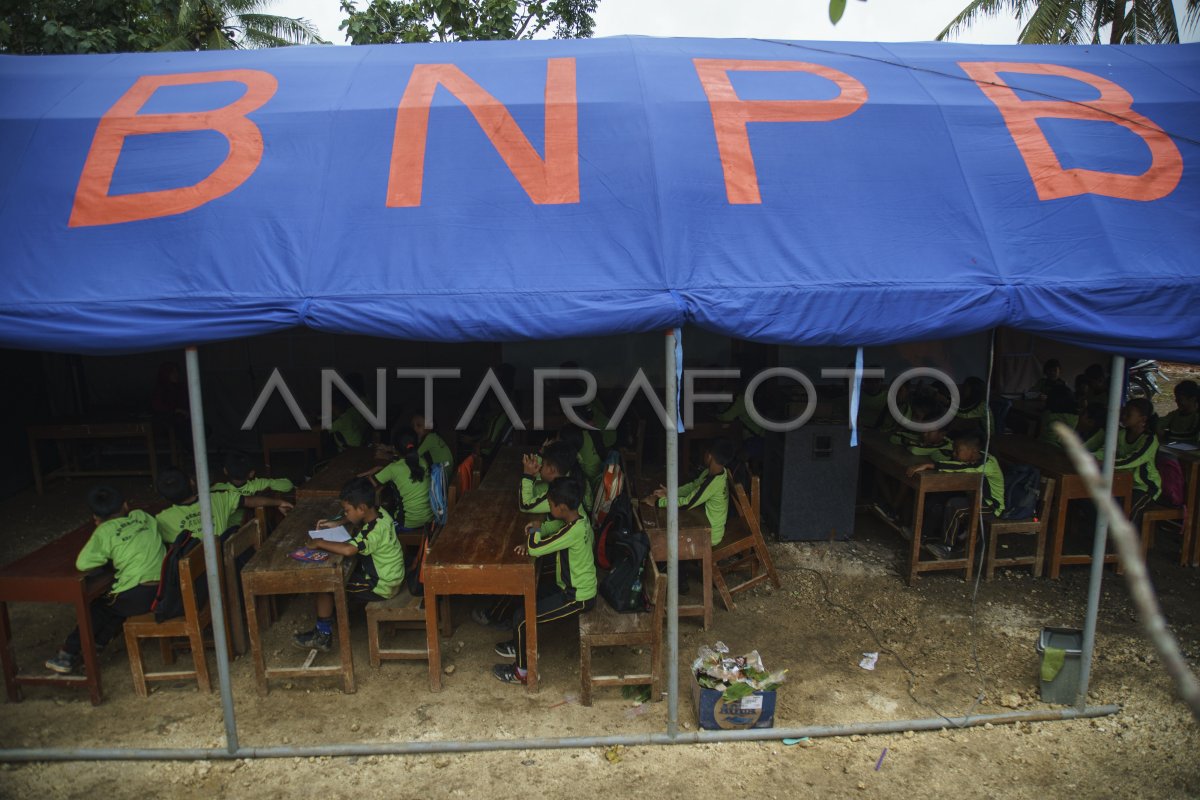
(192, 624)
(605, 627)
(1025, 527)
(1151, 518)
(743, 549)
(248, 538)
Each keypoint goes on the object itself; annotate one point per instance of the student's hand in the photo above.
(548, 442)
(284, 507)
(661, 491)
(649, 500)
(529, 463)
(530, 527)
(915, 468)
(369, 472)
(322, 524)
(520, 550)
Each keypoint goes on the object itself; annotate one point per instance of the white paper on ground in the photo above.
(868, 660)
(338, 534)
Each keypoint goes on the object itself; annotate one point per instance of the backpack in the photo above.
(622, 586)
(1171, 476)
(437, 493)
(618, 523)
(608, 489)
(168, 600)
(1021, 485)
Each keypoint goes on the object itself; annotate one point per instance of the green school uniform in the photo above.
(438, 451)
(979, 414)
(250, 488)
(600, 420)
(1180, 427)
(535, 497)
(414, 495)
(349, 430)
(133, 546)
(993, 485)
(1137, 457)
(1047, 433)
(938, 452)
(380, 557)
(574, 565)
(737, 411)
(178, 518)
(589, 460)
(710, 491)
(495, 431)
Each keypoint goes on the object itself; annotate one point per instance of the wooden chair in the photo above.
(1024, 527)
(192, 624)
(299, 440)
(402, 611)
(1155, 514)
(604, 627)
(467, 476)
(249, 537)
(743, 549)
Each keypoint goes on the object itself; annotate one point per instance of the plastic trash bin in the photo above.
(1064, 686)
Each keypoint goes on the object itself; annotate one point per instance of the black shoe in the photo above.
(507, 649)
(940, 551)
(507, 673)
(64, 663)
(313, 640)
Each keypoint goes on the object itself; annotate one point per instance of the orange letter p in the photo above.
(95, 206)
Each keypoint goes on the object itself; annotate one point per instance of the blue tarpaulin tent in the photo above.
(801, 193)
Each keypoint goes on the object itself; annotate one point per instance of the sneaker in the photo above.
(939, 551)
(507, 649)
(64, 663)
(314, 640)
(507, 673)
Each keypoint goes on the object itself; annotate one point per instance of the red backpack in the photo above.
(1171, 475)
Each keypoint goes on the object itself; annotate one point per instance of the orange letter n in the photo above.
(552, 180)
(731, 114)
(1115, 105)
(95, 206)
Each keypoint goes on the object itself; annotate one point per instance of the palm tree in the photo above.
(232, 24)
(1080, 21)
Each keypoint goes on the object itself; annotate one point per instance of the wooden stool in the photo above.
(605, 627)
(404, 610)
(1025, 527)
(1156, 514)
(192, 624)
(743, 549)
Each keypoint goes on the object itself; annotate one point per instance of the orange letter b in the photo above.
(95, 206)
(1114, 105)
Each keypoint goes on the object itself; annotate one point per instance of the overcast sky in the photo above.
(871, 21)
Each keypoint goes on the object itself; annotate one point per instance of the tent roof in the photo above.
(857, 194)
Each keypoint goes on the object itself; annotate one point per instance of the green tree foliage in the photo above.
(1080, 21)
(386, 21)
(230, 24)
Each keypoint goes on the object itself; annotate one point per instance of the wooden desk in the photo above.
(504, 473)
(328, 483)
(272, 572)
(695, 544)
(1189, 461)
(474, 555)
(1053, 462)
(1030, 413)
(62, 433)
(48, 575)
(894, 461)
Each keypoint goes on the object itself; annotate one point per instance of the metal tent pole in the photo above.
(215, 598)
(1115, 386)
(672, 539)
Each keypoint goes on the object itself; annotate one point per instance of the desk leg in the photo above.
(531, 643)
(256, 647)
(343, 623)
(1060, 529)
(914, 552)
(706, 570)
(432, 642)
(7, 659)
(37, 464)
(972, 534)
(87, 642)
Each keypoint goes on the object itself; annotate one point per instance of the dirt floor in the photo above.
(1147, 749)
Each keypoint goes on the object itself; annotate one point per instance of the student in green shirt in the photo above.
(240, 479)
(568, 538)
(1183, 424)
(585, 451)
(968, 457)
(408, 476)
(379, 570)
(130, 541)
(557, 461)
(1137, 451)
(710, 489)
(184, 512)
(1051, 377)
(973, 412)
(1061, 406)
(432, 444)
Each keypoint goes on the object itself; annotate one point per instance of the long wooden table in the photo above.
(48, 575)
(893, 461)
(273, 572)
(62, 433)
(695, 544)
(328, 483)
(474, 554)
(1053, 462)
(504, 473)
(1189, 460)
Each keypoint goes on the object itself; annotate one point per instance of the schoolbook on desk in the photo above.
(308, 554)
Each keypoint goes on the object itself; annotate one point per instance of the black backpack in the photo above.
(1021, 485)
(622, 586)
(617, 523)
(168, 601)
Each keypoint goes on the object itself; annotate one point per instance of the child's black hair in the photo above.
(174, 485)
(405, 442)
(970, 439)
(973, 391)
(1061, 400)
(1051, 365)
(105, 501)
(1188, 389)
(566, 491)
(358, 492)
(1146, 409)
(563, 457)
(722, 452)
(238, 465)
(572, 435)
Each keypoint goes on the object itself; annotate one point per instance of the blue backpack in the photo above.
(1021, 486)
(437, 493)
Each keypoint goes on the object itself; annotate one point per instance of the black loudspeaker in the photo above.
(810, 483)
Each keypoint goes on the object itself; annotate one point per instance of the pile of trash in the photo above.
(735, 677)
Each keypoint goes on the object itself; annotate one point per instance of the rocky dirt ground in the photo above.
(1148, 749)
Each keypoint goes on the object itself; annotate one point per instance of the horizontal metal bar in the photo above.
(629, 740)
